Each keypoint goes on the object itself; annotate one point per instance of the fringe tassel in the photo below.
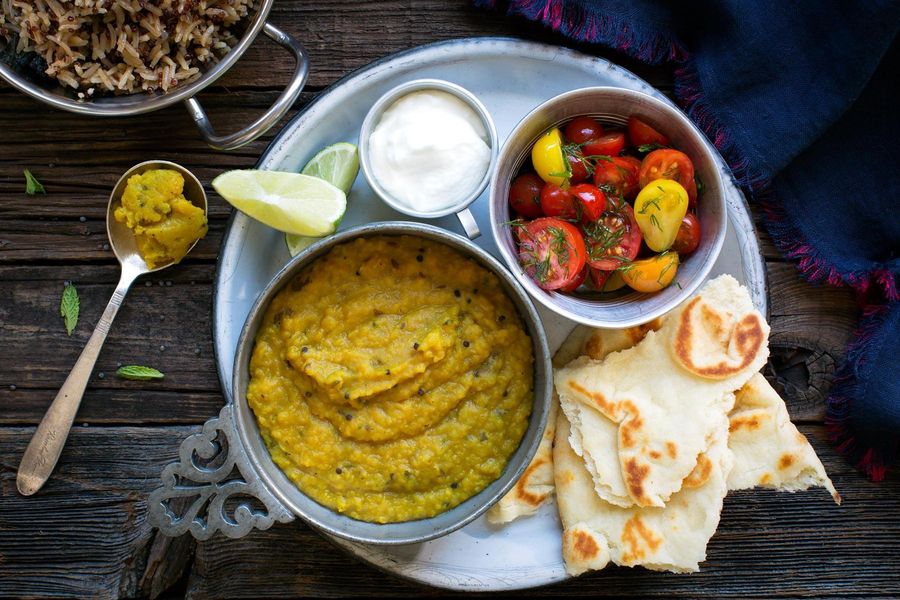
(849, 386)
(784, 231)
(591, 24)
(689, 94)
(810, 262)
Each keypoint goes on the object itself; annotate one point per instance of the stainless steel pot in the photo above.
(139, 103)
(232, 440)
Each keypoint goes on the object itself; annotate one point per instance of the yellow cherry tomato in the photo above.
(548, 159)
(658, 210)
(651, 274)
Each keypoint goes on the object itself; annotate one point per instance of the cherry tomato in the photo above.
(618, 175)
(669, 164)
(578, 165)
(688, 237)
(525, 195)
(599, 278)
(691, 188)
(552, 252)
(606, 281)
(548, 159)
(557, 202)
(614, 238)
(592, 201)
(651, 274)
(576, 283)
(659, 209)
(641, 134)
(610, 144)
(583, 129)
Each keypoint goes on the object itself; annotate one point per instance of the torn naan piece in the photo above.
(641, 417)
(768, 449)
(535, 485)
(670, 538)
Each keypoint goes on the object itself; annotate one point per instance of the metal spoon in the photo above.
(47, 443)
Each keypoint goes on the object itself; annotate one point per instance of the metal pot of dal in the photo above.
(199, 492)
(52, 93)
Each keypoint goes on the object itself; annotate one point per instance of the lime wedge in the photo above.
(290, 202)
(298, 243)
(338, 164)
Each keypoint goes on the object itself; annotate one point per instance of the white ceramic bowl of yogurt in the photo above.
(428, 148)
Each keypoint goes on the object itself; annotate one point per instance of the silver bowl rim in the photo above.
(548, 300)
(373, 116)
(150, 102)
(247, 428)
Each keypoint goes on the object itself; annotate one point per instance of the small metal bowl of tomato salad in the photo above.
(608, 205)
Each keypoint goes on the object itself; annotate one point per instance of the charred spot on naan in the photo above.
(638, 540)
(787, 459)
(584, 545)
(521, 491)
(635, 476)
(630, 425)
(750, 422)
(606, 407)
(766, 479)
(672, 450)
(741, 343)
(700, 474)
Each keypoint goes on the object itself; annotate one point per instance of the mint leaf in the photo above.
(32, 185)
(69, 306)
(138, 373)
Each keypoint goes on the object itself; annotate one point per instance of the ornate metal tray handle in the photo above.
(214, 472)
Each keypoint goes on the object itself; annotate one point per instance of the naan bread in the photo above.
(642, 416)
(672, 538)
(768, 450)
(536, 484)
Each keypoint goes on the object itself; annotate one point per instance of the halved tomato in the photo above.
(579, 167)
(576, 283)
(688, 238)
(641, 134)
(592, 201)
(606, 281)
(525, 195)
(582, 129)
(552, 252)
(548, 158)
(669, 164)
(609, 144)
(651, 274)
(557, 202)
(618, 175)
(614, 238)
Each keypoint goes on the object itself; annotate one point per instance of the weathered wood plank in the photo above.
(163, 326)
(810, 330)
(768, 544)
(85, 534)
(135, 403)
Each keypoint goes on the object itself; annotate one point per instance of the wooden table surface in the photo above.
(86, 533)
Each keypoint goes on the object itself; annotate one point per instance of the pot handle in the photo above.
(274, 112)
(206, 472)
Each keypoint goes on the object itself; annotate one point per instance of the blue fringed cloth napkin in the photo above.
(801, 100)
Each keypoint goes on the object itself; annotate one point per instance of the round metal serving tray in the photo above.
(510, 77)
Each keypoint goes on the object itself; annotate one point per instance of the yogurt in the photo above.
(429, 151)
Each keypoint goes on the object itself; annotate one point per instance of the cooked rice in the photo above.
(124, 46)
